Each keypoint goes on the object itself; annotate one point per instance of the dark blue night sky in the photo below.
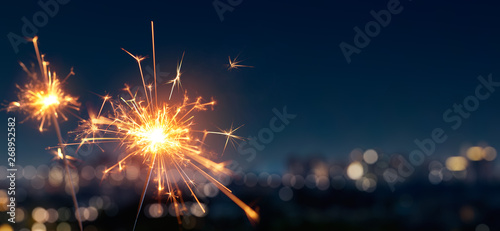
(394, 91)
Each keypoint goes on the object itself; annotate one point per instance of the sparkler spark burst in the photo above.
(234, 64)
(58, 155)
(163, 136)
(43, 97)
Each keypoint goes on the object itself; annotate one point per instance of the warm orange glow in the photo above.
(58, 155)
(157, 136)
(162, 135)
(475, 153)
(50, 100)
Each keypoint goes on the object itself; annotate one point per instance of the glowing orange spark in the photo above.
(228, 133)
(164, 138)
(235, 64)
(177, 79)
(58, 155)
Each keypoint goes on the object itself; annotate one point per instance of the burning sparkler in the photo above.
(235, 64)
(162, 135)
(44, 100)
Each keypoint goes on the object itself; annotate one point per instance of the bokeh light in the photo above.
(435, 176)
(3, 200)
(456, 163)
(52, 215)
(196, 210)
(475, 153)
(38, 227)
(88, 172)
(482, 227)
(63, 226)
(132, 172)
(6, 227)
(286, 194)
(370, 156)
(355, 170)
(489, 153)
(155, 210)
(40, 215)
(20, 215)
(56, 176)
